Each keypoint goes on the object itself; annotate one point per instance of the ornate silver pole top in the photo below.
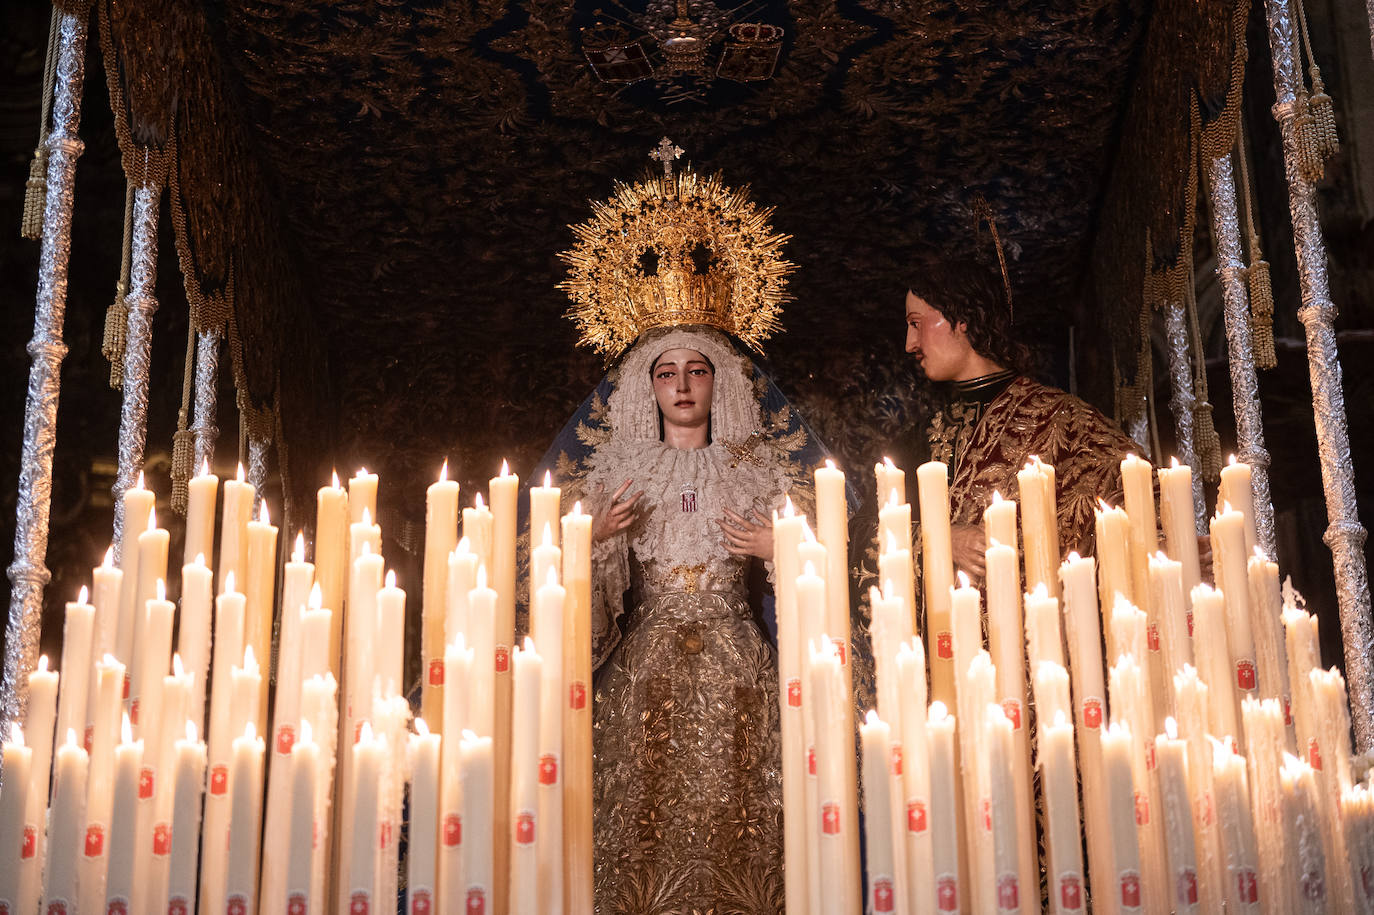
(666, 152)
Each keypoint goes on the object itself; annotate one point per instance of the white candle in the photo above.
(423, 752)
(151, 578)
(1332, 714)
(1265, 739)
(477, 780)
(316, 622)
(1039, 524)
(832, 529)
(360, 632)
(362, 495)
(1058, 778)
(577, 718)
(233, 532)
(171, 726)
(1043, 639)
(364, 536)
(462, 578)
(359, 881)
(504, 491)
(1301, 817)
(1006, 825)
(1266, 611)
(301, 848)
(524, 783)
(478, 526)
(787, 535)
(105, 584)
(1191, 702)
(138, 502)
(154, 657)
(77, 662)
(1125, 886)
(875, 737)
(259, 589)
(1132, 705)
(193, 631)
(18, 762)
(1236, 828)
(1172, 756)
(1051, 682)
(999, 522)
(545, 558)
(38, 732)
(977, 689)
(389, 644)
(1229, 560)
(482, 637)
(545, 510)
(331, 559)
(895, 566)
(227, 651)
(944, 809)
(450, 887)
(105, 713)
(245, 778)
(1113, 557)
(937, 576)
(548, 619)
(441, 535)
(1209, 646)
(1137, 484)
(188, 783)
(1173, 619)
(894, 526)
(1235, 490)
(123, 834)
(911, 677)
(1177, 518)
(202, 492)
(890, 479)
(1304, 656)
(319, 709)
(840, 890)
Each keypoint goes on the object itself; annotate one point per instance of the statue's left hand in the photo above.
(751, 536)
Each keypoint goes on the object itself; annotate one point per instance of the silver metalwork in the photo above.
(207, 393)
(257, 470)
(28, 573)
(1235, 297)
(1181, 403)
(142, 303)
(1139, 431)
(1345, 536)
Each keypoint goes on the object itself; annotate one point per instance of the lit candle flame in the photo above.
(191, 734)
(464, 546)
(263, 517)
(963, 579)
(829, 464)
(808, 536)
(367, 548)
(178, 669)
(1231, 460)
(788, 509)
(1059, 719)
(17, 734)
(250, 732)
(443, 472)
(481, 575)
(365, 733)
(229, 581)
(477, 503)
(938, 711)
(307, 732)
(551, 580)
(239, 475)
(505, 468)
(362, 472)
(367, 516)
(71, 737)
(577, 509)
(152, 518)
(421, 727)
(108, 562)
(892, 498)
(887, 463)
(127, 730)
(809, 569)
(205, 467)
(161, 589)
(250, 661)
(1173, 462)
(547, 539)
(42, 664)
(548, 479)
(200, 560)
(139, 484)
(529, 645)
(891, 543)
(298, 551)
(469, 735)
(83, 596)
(871, 718)
(334, 479)
(316, 597)
(391, 578)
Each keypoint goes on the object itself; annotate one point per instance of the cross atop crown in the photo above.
(666, 152)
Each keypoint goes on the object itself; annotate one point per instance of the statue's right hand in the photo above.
(615, 514)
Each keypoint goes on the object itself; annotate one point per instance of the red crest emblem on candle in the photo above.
(57, 907)
(1092, 712)
(88, 737)
(177, 906)
(947, 893)
(29, 846)
(548, 769)
(360, 903)
(1008, 892)
(1245, 674)
(830, 818)
(842, 650)
(436, 672)
(420, 903)
(1313, 886)
(296, 904)
(1149, 754)
(453, 830)
(145, 783)
(237, 904)
(794, 692)
(1142, 809)
(128, 678)
(524, 828)
(1071, 892)
(1012, 709)
(502, 659)
(810, 760)
(1152, 636)
(4, 907)
(95, 840)
(357, 730)
(916, 816)
(133, 711)
(286, 739)
(1189, 617)
(944, 645)
(577, 695)
(1287, 710)
(1247, 886)
(477, 901)
(1314, 754)
(162, 839)
(1187, 887)
(1130, 889)
(896, 760)
(1203, 811)
(219, 779)
(882, 894)
(119, 906)
(384, 834)
(985, 808)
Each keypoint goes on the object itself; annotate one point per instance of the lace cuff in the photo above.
(610, 581)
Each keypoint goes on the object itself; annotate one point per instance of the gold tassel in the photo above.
(116, 331)
(183, 455)
(1261, 311)
(1305, 131)
(35, 195)
(1208, 443)
(1323, 117)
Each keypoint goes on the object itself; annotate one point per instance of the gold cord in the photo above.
(36, 188)
(183, 440)
(1257, 277)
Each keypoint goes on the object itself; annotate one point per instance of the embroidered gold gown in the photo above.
(687, 780)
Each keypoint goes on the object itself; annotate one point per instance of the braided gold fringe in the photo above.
(183, 456)
(1261, 312)
(1323, 117)
(1310, 161)
(35, 195)
(1208, 443)
(116, 332)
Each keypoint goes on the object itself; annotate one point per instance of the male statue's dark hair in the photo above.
(970, 291)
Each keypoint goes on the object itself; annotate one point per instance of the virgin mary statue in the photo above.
(682, 453)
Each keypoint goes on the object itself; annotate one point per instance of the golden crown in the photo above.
(675, 249)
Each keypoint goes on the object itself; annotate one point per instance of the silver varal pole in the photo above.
(1344, 535)
(27, 573)
(206, 396)
(142, 304)
(1235, 297)
(1181, 402)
